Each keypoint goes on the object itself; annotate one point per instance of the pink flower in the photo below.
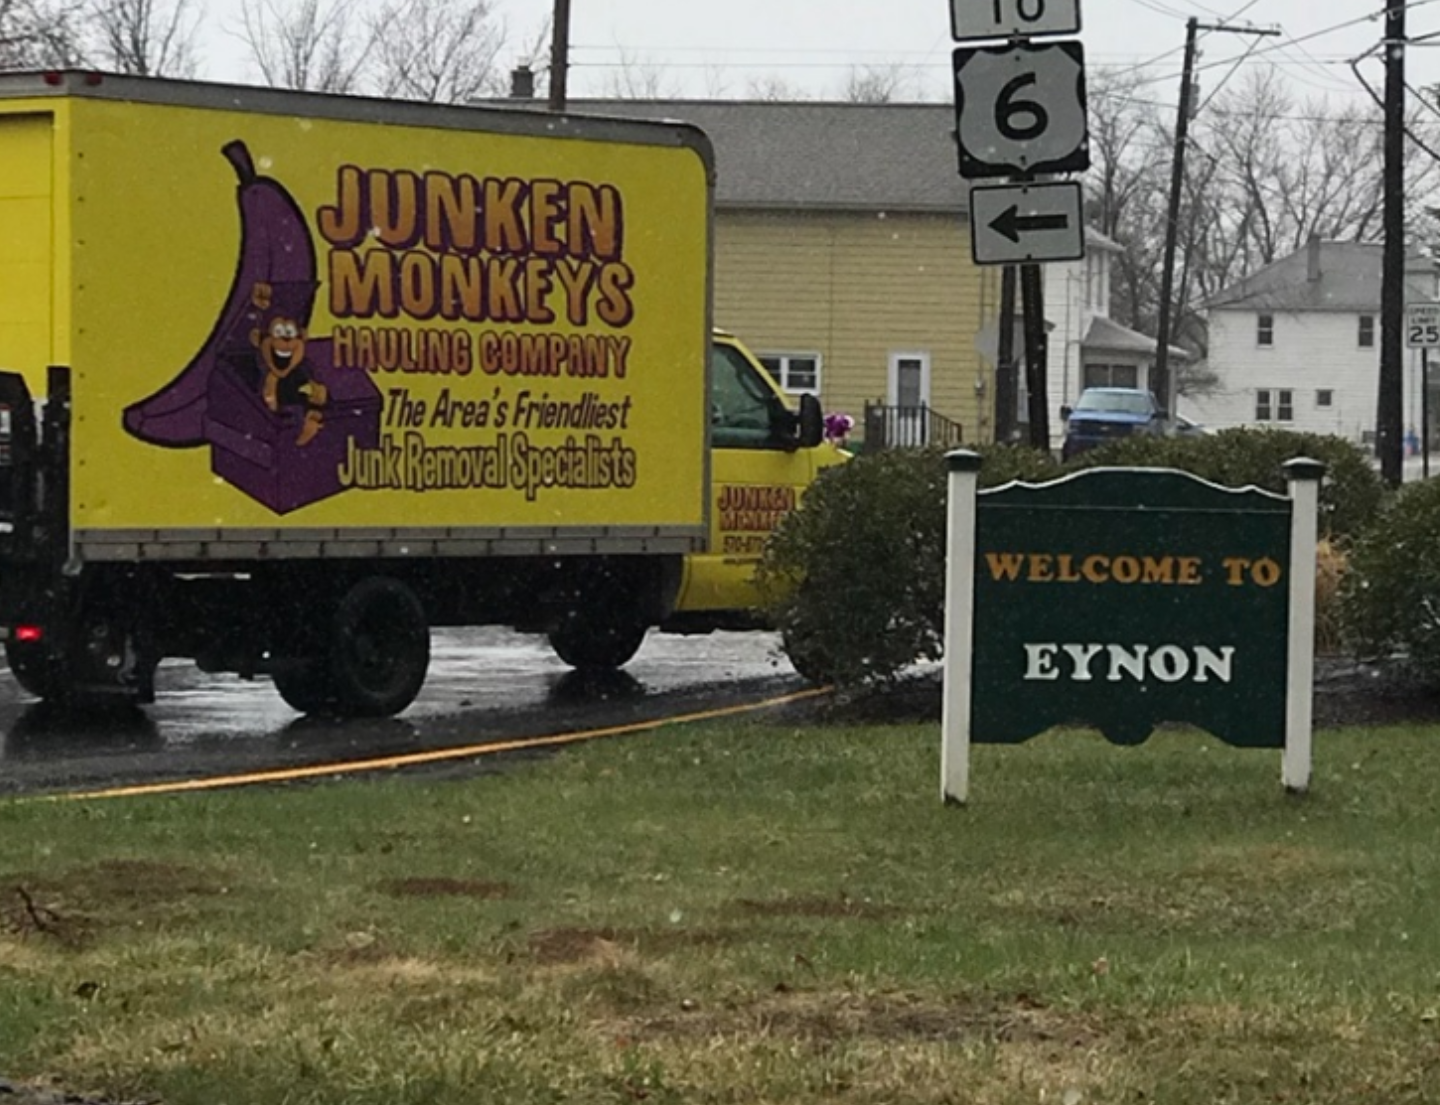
(838, 427)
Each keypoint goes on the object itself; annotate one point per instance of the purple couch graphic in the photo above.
(261, 392)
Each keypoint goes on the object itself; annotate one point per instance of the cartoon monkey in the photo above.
(287, 383)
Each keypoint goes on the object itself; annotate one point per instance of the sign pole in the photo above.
(1422, 332)
(964, 480)
(1032, 297)
(1007, 392)
(1303, 476)
(1425, 412)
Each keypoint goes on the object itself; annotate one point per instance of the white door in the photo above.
(909, 395)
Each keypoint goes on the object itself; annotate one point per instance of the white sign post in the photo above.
(1013, 18)
(1020, 113)
(1014, 223)
(1020, 110)
(1422, 332)
(1422, 325)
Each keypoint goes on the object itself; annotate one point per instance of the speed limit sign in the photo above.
(1020, 109)
(1422, 325)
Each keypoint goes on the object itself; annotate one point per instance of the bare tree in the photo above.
(636, 78)
(1125, 136)
(437, 50)
(146, 37)
(1129, 154)
(773, 89)
(36, 33)
(877, 84)
(717, 82)
(1264, 171)
(308, 44)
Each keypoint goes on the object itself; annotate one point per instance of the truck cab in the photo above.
(765, 451)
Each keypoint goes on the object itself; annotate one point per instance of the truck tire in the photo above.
(305, 686)
(32, 668)
(379, 649)
(83, 677)
(584, 645)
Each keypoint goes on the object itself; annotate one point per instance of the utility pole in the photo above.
(1389, 415)
(560, 56)
(1161, 383)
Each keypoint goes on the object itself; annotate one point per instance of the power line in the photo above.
(1233, 70)
(1412, 4)
(1226, 113)
(1317, 66)
(1162, 9)
(1409, 133)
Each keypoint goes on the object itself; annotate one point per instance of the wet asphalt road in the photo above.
(484, 686)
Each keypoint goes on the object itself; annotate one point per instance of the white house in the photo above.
(1297, 344)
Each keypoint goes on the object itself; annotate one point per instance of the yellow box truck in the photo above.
(290, 378)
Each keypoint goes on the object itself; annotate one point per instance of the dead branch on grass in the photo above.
(33, 917)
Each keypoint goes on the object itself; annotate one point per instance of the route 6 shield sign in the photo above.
(1020, 109)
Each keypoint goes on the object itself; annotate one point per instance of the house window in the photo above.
(1325, 397)
(1274, 405)
(1265, 330)
(796, 373)
(1366, 334)
(1112, 376)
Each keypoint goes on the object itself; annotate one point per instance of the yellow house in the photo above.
(843, 257)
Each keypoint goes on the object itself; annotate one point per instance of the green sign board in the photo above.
(1120, 599)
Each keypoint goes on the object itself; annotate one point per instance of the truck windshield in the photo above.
(1127, 402)
(741, 406)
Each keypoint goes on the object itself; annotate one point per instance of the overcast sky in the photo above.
(718, 48)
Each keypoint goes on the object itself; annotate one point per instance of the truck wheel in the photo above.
(108, 662)
(379, 648)
(32, 668)
(305, 686)
(590, 647)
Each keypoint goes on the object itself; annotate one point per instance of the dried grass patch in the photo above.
(842, 906)
(612, 945)
(441, 887)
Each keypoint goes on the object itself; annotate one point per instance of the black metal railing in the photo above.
(890, 426)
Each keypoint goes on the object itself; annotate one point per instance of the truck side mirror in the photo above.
(812, 422)
(1065, 412)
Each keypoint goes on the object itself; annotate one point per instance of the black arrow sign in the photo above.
(1011, 224)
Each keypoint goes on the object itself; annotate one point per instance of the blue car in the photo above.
(1105, 414)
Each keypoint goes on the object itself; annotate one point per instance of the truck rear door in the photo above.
(27, 253)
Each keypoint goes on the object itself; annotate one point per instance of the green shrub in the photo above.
(1349, 497)
(1390, 595)
(856, 579)
(869, 546)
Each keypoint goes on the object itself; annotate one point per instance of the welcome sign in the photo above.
(1119, 599)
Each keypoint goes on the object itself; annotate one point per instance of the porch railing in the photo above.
(889, 426)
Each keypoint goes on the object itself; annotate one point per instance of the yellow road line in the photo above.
(438, 755)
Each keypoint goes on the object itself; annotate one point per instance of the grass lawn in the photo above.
(746, 913)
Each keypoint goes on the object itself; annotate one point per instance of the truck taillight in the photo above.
(29, 634)
(6, 458)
